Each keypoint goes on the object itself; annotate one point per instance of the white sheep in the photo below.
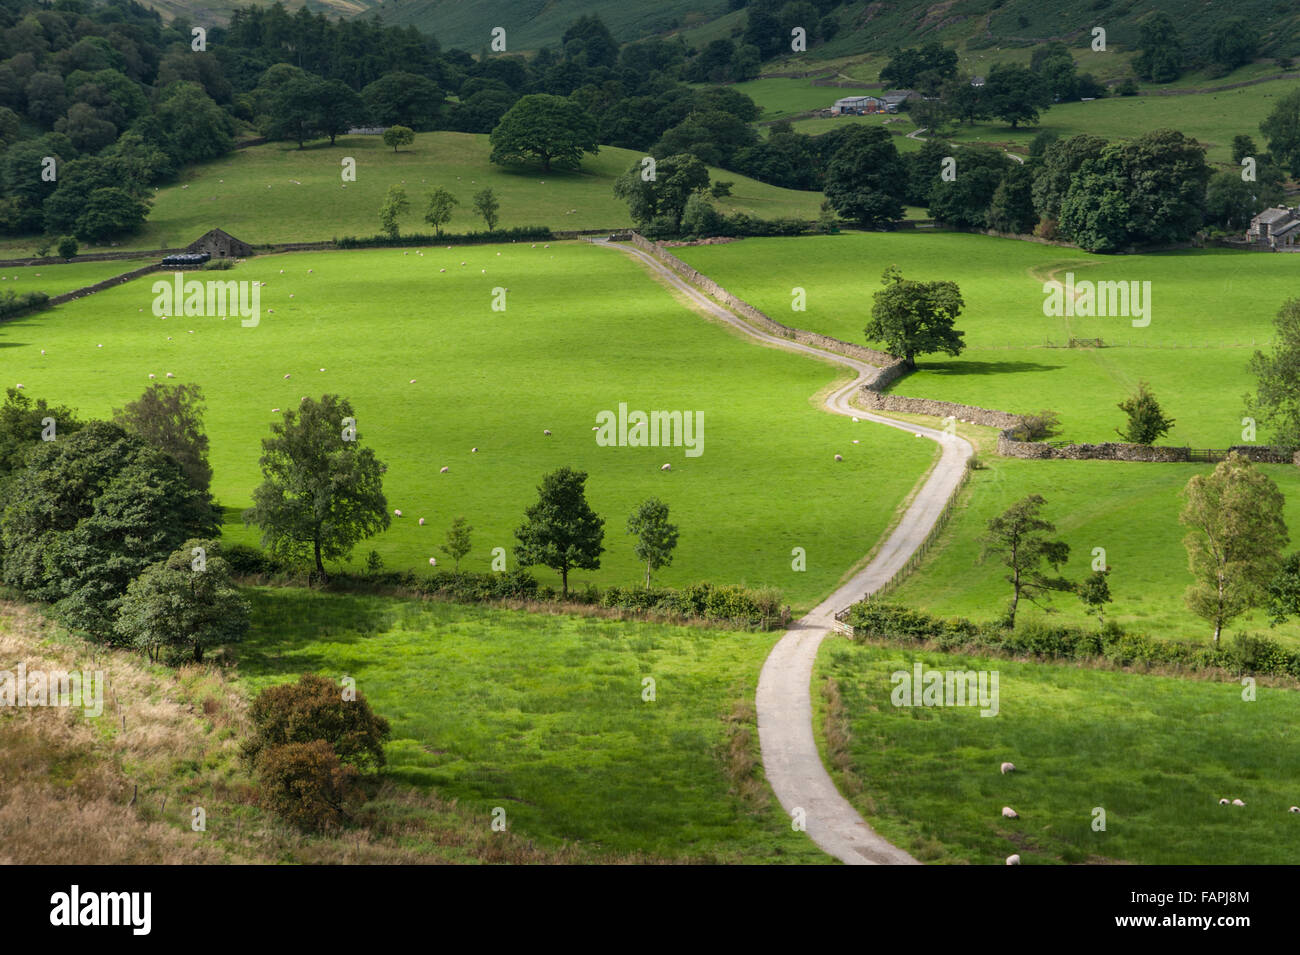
(412, 381)
(433, 562)
(1223, 802)
(19, 385)
(855, 420)
(274, 410)
(1010, 813)
(666, 467)
(1238, 802)
(1008, 768)
(153, 376)
(1013, 859)
(546, 431)
(444, 470)
(473, 450)
(1294, 809)
(855, 441)
(838, 458)
(422, 522)
(322, 369)
(286, 376)
(170, 375)
(397, 513)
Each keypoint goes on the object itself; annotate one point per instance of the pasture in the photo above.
(1155, 753)
(1210, 310)
(544, 715)
(1129, 509)
(57, 276)
(279, 193)
(433, 372)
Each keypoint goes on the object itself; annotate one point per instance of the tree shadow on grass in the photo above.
(287, 619)
(962, 368)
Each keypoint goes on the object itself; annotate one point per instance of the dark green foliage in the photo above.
(561, 531)
(317, 708)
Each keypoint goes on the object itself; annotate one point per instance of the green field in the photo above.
(786, 97)
(57, 276)
(279, 193)
(544, 716)
(585, 329)
(1156, 753)
(1129, 509)
(1210, 309)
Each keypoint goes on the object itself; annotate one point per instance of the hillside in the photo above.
(864, 26)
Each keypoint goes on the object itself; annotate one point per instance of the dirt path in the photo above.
(791, 760)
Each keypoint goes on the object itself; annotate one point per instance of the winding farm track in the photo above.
(791, 760)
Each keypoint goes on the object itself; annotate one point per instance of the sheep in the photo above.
(310, 271)
(473, 450)
(397, 512)
(546, 431)
(1238, 802)
(275, 410)
(19, 385)
(855, 441)
(838, 458)
(444, 469)
(1010, 813)
(286, 376)
(1013, 859)
(855, 420)
(442, 270)
(666, 467)
(42, 351)
(1008, 768)
(170, 375)
(153, 376)
(916, 434)
(412, 381)
(322, 369)
(291, 295)
(422, 522)
(1223, 802)
(1294, 809)
(433, 562)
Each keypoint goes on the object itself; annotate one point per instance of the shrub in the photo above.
(13, 304)
(522, 234)
(218, 265)
(314, 709)
(1037, 427)
(246, 561)
(67, 247)
(307, 785)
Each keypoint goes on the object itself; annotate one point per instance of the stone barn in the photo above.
(220, 245)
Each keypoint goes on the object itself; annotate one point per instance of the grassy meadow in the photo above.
(543, 715)
(279, 193)
(56, 277)
(1210, 310)
(1156, 753)
(1128, 509)
(433, 372)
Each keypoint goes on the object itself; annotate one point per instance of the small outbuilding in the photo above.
(1276, 228)
(220, 245)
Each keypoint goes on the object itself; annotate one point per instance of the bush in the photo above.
(67, 247)
(246, 561)
(740, 606)
(307, 785)
(13, 304)
(1037, 427)
(218, 265)
(314, 709)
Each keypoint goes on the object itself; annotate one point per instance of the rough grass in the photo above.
(585, 329)
(546, 716)
(1155, 753)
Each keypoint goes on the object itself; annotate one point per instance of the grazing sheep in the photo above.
(1008, 768)
(322, 369)
(309, 272)
(291, 295)
(1294, 809)
(838, 458)
(1013, 859)
(473, 450)
(412, 381)
(397, 513)
(1010, 813)
(442, 270)
(546, 431)
(1223, 802)
(170, 375)
(422, 522)
(433, 562)
(444, 470)
(917, 434)
(855, 420)
(855, 441)
(153, 376)
(286, 376)
(19, 385)
(666, 467)
(42, 351)
(1238, 802)
(274, 410)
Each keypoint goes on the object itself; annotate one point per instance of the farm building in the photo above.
(1276, 228)
(220, 244)
(896, 98)
(855, 105)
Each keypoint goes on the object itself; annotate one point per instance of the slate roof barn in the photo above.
(220, 244)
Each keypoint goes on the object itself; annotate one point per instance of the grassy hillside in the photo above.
(1157, 754)
(57, 276)
(1210, 309)
(585, 329)
(279, 193)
